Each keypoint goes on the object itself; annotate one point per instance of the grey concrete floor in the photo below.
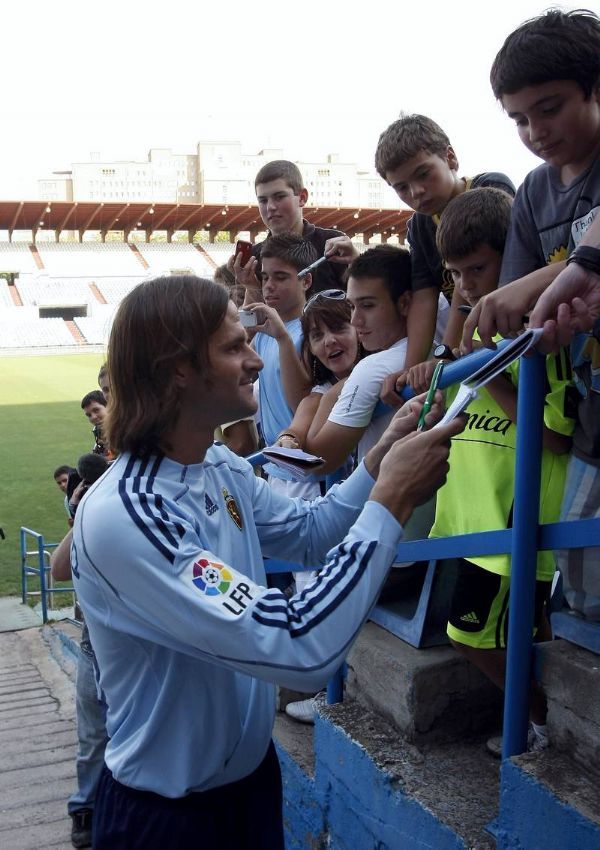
(37, 744)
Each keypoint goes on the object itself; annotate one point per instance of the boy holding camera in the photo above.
(281, 197)
(283, 381)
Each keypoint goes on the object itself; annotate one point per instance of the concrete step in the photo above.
(75, 332)
(36, 257)
(570, 677)
(433, 692)
(14, 615)
(138, 255)
(15, 295)
(38, 743)
(97, 294)
(366, 786)
(205, 254)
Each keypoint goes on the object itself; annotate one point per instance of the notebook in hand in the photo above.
(300, 464)
(494, 367)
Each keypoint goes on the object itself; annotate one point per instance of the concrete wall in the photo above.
(368, 788)
(352, 804)
(371, 791)
(533, 815)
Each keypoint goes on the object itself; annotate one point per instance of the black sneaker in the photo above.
(81, 829)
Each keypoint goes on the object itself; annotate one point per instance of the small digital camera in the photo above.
(248, 318)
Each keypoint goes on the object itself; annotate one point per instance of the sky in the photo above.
(312, 78)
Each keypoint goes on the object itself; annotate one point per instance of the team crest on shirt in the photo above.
(232, 508)
(211, 577)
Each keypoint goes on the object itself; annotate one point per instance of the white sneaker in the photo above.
(536, 742)
(303, 711)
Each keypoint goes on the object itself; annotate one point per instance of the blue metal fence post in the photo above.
(335, 686)
(23, 567)
(42, 568)
(528, 461)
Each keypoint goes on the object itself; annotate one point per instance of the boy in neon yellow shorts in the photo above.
(478, 495)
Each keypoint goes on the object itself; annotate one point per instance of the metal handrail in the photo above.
(41, 570)
(526, 512)
(523, 540)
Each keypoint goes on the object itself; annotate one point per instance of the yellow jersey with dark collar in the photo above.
(479, 491)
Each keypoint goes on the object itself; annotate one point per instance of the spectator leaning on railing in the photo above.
(478, 495)
(547, 76)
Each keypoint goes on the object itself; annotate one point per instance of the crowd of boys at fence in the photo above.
(468, 238)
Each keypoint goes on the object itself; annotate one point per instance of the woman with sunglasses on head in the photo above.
(330, 349)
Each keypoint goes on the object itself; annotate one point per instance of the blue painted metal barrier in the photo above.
(526, 511)
(41, 555)
(523, 540)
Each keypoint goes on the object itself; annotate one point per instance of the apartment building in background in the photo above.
(219, 172)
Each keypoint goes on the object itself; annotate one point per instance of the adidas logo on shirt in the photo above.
(210, 506)
(470, 618)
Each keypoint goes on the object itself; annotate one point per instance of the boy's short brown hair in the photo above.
(390, 264)
(291, 249)
(95, 396)
(407, 137)
(556, 45)
(281, 169)
(478, 217)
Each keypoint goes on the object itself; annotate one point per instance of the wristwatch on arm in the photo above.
(587, 257)
(443, 352)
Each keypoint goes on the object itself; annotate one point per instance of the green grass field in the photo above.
(42, 426)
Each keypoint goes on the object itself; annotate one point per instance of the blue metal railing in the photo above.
(523, 540)
(526, 512)
(41, 555)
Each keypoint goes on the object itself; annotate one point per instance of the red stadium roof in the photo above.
(89, 215)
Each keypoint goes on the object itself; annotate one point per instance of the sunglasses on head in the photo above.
(334, 294)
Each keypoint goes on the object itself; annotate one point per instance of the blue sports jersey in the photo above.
(167, 563)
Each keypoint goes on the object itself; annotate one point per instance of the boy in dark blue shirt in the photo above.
(415, 157)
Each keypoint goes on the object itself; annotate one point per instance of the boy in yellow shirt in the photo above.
(478, 495)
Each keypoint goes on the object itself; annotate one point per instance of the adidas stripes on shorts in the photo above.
(479, 607)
